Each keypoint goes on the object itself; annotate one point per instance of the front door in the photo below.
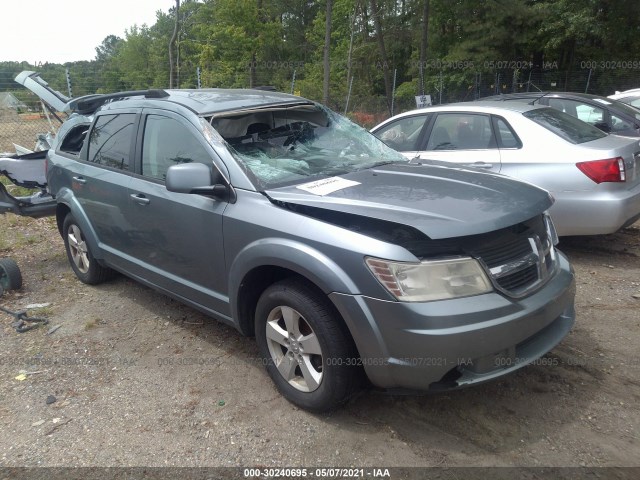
(464, 138)
(177, 242)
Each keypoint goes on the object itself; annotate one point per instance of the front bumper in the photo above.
(37, 205)
(454, 343)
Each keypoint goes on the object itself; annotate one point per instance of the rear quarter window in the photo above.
(74, 139)
(565, 126)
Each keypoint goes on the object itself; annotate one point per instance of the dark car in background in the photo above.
(609, 115)
(630, 97)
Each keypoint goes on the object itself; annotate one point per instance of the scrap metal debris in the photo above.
(23, 322)
(53, 329)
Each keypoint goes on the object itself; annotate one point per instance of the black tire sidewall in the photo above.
(339, 358)
(11, 272)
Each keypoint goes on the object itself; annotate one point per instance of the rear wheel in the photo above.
(10, 276)
(307, 351)
(80, 257)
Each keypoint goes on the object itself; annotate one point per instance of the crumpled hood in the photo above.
(440, 201)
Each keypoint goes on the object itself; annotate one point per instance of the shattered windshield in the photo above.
(286, 145)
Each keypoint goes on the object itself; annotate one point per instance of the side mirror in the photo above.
(195, 178)
(603, 126)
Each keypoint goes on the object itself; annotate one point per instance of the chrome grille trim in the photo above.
(528, 260)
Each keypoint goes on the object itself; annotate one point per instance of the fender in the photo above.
(325, 274)
(292, 255)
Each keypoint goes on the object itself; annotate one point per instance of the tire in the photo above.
(10, 276)
(292, 317)
(82, 261)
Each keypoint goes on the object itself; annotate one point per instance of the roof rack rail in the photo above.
(90, 103)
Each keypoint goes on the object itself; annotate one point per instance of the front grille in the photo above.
(521, 259)
(520, 279)
(504, 250)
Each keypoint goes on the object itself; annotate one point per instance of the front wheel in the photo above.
(82, 261)
(306, 348)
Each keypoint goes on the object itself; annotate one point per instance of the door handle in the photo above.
(140, 199)
(79, 179)
(479, 165)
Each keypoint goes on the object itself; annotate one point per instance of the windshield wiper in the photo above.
(374, 165)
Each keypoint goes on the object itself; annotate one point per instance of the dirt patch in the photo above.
(141, 380)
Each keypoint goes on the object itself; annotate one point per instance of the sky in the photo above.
(60, 31)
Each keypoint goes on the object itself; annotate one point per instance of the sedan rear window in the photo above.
(564, 125)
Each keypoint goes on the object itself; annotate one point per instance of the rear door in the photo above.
(466, 138)
(176, 241)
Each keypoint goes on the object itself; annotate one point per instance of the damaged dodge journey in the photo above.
(350, 264)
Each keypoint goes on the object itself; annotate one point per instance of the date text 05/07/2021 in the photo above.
(294, 473)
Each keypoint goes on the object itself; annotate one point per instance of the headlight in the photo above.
(431, 280)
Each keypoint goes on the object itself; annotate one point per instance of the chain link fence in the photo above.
(23, 117)
(23, 121)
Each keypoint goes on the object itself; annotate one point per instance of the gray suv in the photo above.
(283, 219)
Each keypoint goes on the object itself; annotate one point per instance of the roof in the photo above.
(537, 95)
(213, 100)
(207, 101)
(9, 100)
(611, 103)
(476, 106)
(201, 101)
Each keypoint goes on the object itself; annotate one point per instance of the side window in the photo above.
(461, 131)
(167, 142)
(110, 140)
(74, 139)
(507, 138)
(619, 124)
(586, 113)
(403, 134)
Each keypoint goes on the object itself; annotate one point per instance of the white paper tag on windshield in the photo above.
(327, 185)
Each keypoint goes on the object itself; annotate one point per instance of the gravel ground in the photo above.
(133, 378)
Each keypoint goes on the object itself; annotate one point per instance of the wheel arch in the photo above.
(264, 263)
(68, 204)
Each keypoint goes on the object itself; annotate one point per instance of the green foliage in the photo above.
(243, 43)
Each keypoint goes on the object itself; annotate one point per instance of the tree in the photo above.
(424, 42)
(172, 44)
(376, 13)
(326, 61)
(108, 48)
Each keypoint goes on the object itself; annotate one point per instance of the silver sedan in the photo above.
(592, 175)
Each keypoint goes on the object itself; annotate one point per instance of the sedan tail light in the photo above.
(609, 170)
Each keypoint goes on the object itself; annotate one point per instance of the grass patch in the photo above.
(41, 312)
(93, 323)
(16, 191)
